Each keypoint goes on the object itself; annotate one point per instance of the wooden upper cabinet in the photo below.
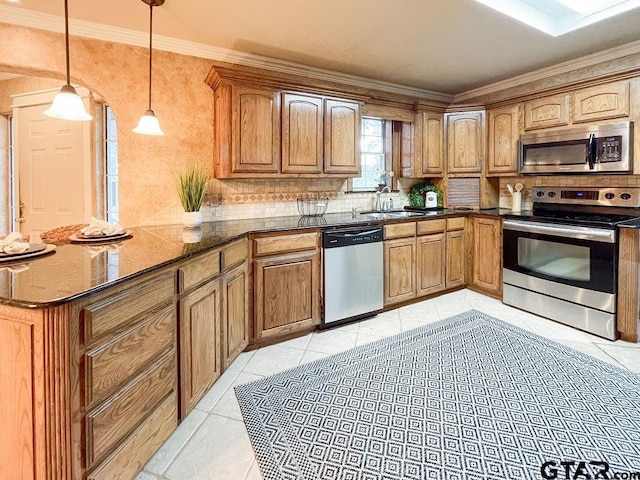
(256, 118)
(551, 111)
(504, 132)
(465, 142)
(601, 103)
(422, 151)
(342, 123)
(247, 131)
(302, 133)
(432, 143)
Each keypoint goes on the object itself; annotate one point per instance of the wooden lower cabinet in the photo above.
(235, 327)
(486, 271)
(200, 363)
(455, 259)
(286, 293)
(399, 270)
(431, 264)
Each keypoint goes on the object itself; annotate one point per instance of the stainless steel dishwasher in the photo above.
(353, 274)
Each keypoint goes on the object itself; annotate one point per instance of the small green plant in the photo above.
(416, 193)
(191, 183)
(382, 176)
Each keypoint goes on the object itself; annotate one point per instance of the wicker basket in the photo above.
(312, 207)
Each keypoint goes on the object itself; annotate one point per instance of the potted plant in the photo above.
(383, 178)
(191, 183)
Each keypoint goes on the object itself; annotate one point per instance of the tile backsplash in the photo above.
(260, 198)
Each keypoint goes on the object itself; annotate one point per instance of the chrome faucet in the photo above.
(386, 189)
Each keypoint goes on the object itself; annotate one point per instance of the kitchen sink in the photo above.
(391, 214)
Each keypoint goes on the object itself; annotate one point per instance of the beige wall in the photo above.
(23, 84)
(119, 74)
(183, 103)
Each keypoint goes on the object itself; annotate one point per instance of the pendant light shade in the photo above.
(67, 105)
(148, 124)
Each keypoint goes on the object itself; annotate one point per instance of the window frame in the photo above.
(389, 155)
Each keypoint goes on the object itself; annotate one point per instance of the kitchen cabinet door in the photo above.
(432, 144)
(399, 270)
(465, 142)
(455, 259)
(235, 331)
(422, 151)
(487, 255)
(504, 133)
(286, 293)
(551, 111)
(247, 131)
(302, 133)
(200, 363)
(601, 103)
(342, 121)
(431, 264)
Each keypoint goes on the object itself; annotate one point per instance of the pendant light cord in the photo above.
(150, 49)
(66, 38)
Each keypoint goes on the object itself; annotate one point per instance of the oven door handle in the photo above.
(565, 231)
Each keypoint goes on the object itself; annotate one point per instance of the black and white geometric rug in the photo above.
(469, 397)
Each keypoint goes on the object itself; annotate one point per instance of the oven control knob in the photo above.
(609, 196)
(540, 194)
(625, 196)
(552, 194)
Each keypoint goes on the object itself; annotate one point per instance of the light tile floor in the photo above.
(212, 443)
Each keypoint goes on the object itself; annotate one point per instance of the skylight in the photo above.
(557, 17)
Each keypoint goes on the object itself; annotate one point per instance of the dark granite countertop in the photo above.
(75, 270)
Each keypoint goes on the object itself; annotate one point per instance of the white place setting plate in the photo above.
(81, 238)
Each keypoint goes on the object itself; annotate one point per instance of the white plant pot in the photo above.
(191, 235)
(191, 219)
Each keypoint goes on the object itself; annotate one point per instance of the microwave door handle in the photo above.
(591, 151)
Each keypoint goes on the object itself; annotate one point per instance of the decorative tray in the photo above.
(35, 250)
(81, 238)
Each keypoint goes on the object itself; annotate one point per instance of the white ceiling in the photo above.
(448, 46)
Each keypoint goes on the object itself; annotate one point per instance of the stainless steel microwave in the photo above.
(606, 148)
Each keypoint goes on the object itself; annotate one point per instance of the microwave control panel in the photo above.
(609, 149)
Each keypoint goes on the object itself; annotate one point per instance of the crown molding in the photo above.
(586, 61)
(97, 31)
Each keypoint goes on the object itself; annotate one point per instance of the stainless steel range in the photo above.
(561, 262)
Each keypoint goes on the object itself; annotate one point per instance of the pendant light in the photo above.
(148, 124)
(67, 104)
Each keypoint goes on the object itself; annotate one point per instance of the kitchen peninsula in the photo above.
(103, 348)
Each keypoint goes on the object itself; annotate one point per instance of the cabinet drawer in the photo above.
(233, 254)
(119, 309)
(431, 226)
(456, 223)
(137, 450)
(115, 419)
(198, 270)
(285, 243)
(399, 230)
(110, 365)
